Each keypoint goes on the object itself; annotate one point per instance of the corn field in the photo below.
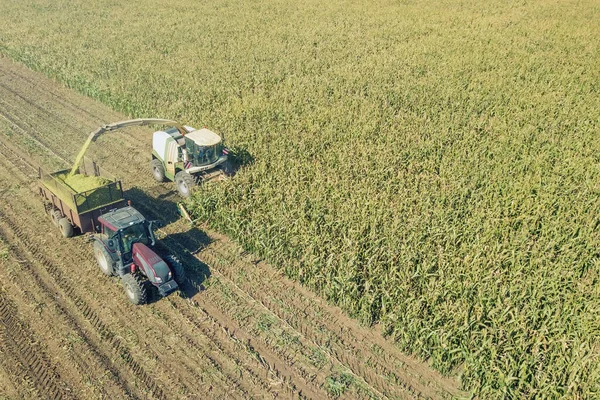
(430, 167)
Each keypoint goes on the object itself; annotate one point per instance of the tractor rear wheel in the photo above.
(158, 170)
(185, 183)
(135, 289)
(103, 258)
(176, 268)
(65, 227)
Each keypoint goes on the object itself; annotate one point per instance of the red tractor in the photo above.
(124, 248)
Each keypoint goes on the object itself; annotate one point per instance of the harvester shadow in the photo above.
(239, 157)
(183, 245)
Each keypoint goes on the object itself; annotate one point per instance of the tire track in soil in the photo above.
(58, 93)
(107, 336)
(230, 381)
(213, 334)
(27, 358)
(30, 252)
(364, 357)
(94, 356)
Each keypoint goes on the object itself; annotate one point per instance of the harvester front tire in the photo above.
(227, 168)
(134, 289)
(158, 170)
(65, 227)
(104, 260)
(176, 268)
(185, 183)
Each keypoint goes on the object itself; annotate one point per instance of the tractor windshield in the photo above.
(137, 233)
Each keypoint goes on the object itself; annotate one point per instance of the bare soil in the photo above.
(238, 329)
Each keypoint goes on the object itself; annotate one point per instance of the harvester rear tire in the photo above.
(65, 227)
(185, 184)
(104, 260)
(176, 268)
(158, 170)
(135, 289)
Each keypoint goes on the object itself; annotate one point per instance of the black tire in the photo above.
(65, 227)
(135, 288)
(176, 268)
(55, 215)
(104, 260)
(227, 168)
(185, 184)
(158, 170)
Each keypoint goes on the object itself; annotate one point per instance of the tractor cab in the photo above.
(124, 248)
(123, 228)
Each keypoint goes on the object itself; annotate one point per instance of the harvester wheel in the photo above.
(176, 269)
(185, 183)
(158, 170)
(103, 258)
(55, 215)
(135, 289)
(227, 168)
(65, 227)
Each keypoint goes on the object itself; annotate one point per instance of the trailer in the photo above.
(72, 210)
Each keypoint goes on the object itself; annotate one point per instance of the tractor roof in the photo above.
(122, 218)
(204, 137)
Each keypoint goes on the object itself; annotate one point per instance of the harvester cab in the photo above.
(124, 247)
(188, 158)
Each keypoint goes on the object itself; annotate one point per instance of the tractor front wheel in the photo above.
(176, 268)
(103, 258)
(135, 289)
(185, 183)
(65, 227)
(158, 170)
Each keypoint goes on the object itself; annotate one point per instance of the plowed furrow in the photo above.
(106, 335)
(242, 386)
(10, 114)
(18, 344)
(13, 75)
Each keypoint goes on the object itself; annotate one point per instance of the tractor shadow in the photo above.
(183, 245)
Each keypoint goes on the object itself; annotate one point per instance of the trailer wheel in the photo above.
(135, 289)
(176, 268)
(65, 227)
(185, 183)
(104, 260)
(158, 170)
(55, 215)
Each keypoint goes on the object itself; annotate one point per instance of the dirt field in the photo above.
(239, 330)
